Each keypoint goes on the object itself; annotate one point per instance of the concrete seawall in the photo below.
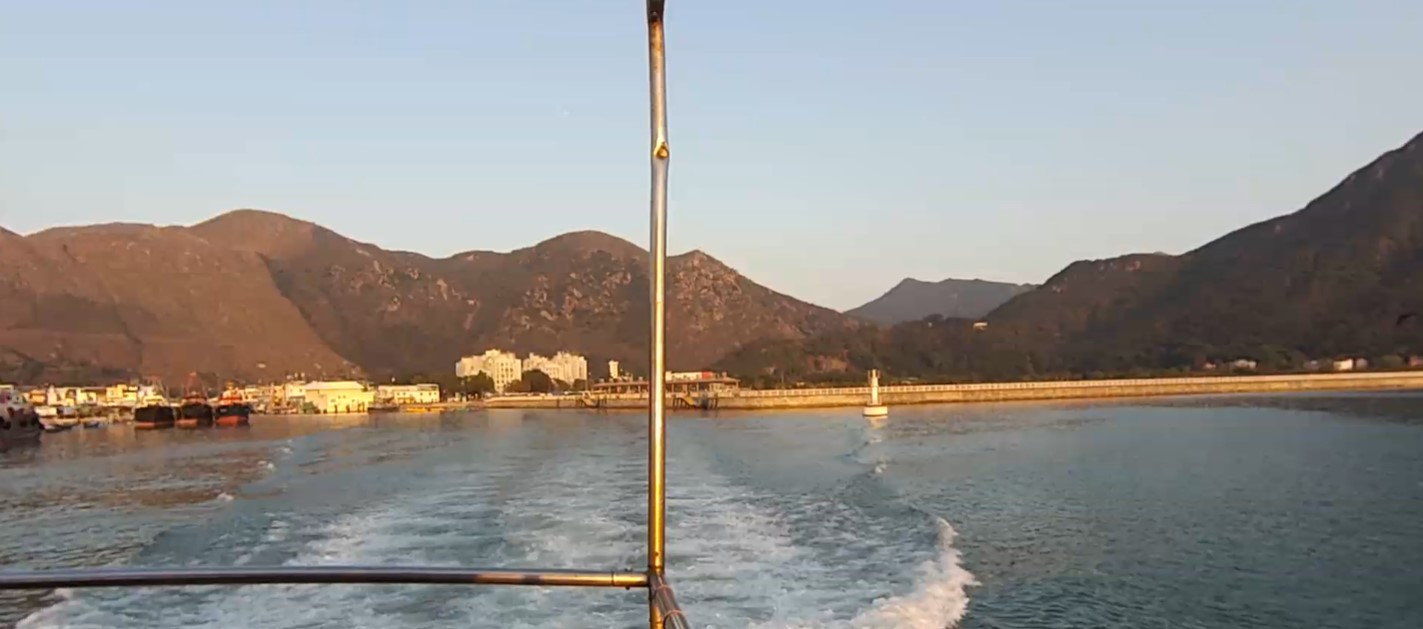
(995, 392)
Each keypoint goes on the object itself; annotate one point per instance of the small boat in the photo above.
(56, 427)
(232, 410)
(19, 424)
(94, 423)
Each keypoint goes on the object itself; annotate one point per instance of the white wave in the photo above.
(740, 554)
(53, 615)
(939, 599)
(224, 497)
(276, 533)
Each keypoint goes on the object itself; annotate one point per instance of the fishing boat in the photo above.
(19, 424)
(232, 410)
(154, 414)
(194, 411)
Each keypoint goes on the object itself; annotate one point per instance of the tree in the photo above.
(1389, 361)
(537, 381)
(479, 383)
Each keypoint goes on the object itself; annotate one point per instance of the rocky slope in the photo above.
(583, 291)
(145, 300)
(254, 295)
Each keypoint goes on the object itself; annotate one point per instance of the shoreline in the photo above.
(842, 397)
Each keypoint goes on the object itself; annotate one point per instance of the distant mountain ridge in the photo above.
(1336, 278)
(254, 295)
(913, 299)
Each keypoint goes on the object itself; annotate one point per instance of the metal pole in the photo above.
(657, 363)
(140, 577)
(668, 613)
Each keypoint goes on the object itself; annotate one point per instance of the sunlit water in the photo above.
(1223, 512)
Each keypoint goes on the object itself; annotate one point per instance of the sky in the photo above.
(824, 148)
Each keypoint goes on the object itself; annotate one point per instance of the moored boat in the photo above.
(194, 411)
(19, 424)
(232, 410)
(155, 414)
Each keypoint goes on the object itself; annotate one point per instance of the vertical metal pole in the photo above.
(656, 400)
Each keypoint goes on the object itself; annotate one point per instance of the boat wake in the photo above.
(939, 599)
(743, 552)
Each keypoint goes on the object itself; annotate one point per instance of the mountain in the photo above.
(1341, 276)
(254, 295)
(398, 312)
(913, 299)
(78, 303)
(1332, 278)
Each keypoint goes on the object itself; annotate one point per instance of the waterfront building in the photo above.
(704, 382)
(501, 367)
(563, 366)
(122, 395)
(343, 396)
(687, 376)
(293, 394)
(408, 393)
(613, 372)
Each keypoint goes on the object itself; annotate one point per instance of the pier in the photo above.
(745, 399)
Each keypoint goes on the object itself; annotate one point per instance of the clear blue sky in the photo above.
(824, 148)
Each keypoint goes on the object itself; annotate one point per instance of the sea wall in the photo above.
(993, 392)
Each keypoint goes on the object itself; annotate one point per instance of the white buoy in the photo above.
(874, 408)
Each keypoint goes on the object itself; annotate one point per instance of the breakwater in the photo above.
(983, 392)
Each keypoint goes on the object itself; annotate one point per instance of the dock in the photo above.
(747, 399)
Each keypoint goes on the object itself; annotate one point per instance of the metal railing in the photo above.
(663, 609)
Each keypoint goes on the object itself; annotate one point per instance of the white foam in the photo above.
(52, 615)
(939, 599)
(740, 555)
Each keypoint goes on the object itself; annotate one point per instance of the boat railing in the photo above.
(663, 609)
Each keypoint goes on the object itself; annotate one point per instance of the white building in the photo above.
(408, 393)
(613, 370)
(294, 391)
(345, 396)
(563, 366)
(501, 367)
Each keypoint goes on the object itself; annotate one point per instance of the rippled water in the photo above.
(1222, 512)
